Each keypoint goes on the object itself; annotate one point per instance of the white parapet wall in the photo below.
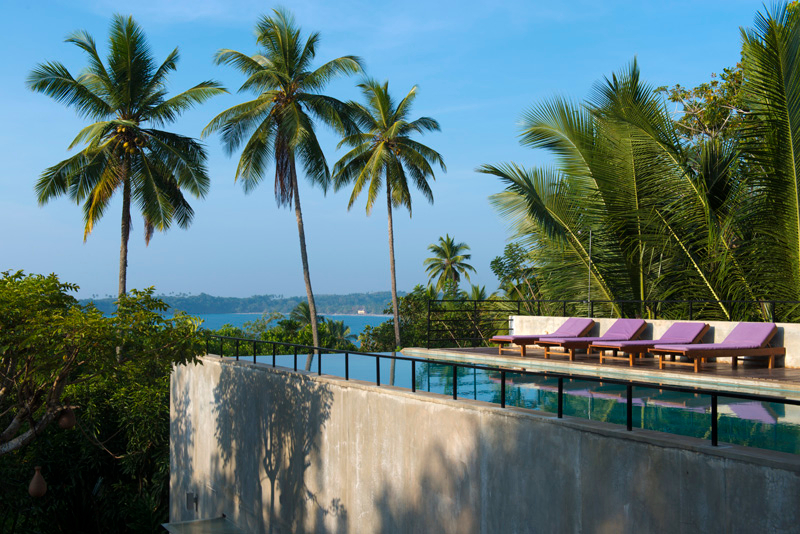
(279, 452)
(788, 333)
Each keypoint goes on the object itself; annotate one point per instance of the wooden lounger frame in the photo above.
(699, 356)
(571, 345)
(637, 352)
(522, 352)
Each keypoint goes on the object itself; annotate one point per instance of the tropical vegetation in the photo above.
(110, 473)
(385, 156)
(279, 125)
(448, 263)
(702, 208)
(125, 97)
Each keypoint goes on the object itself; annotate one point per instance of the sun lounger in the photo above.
(746, 339)
(621, 330)
(572, 327)
(677, 334)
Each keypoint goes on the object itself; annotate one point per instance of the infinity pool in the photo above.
(753, 424)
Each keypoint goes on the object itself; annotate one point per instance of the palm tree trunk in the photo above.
(312, 307)
(126, 232)
(391, 263)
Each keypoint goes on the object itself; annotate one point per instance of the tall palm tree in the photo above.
(384, 155)
(449, 262)
(125, 96)
(279, 124)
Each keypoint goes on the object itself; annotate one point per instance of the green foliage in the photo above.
(449, 262)
(384, 155)
(125, 96)
(516, 274)
(642, 207)
(295, 329)
(111, 472)
(351, 303)
(454, 320)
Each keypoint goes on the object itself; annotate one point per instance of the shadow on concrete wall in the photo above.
(182, 436)
(283, 415)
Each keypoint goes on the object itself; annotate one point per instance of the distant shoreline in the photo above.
(323, 314)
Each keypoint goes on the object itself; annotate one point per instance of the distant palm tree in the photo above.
(449, 263)
(384, 155)
(301, 313)
(280, 121)
(152, 167)
(340, 334)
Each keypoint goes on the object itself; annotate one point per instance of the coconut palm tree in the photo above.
(279, 125)
(339, 334)
(385, 156)
(449, 262)
(126, 97)
(771, 88)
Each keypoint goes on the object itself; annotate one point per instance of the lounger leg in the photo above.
(500, 349)
(546, 352)
(660, 361)
(631, 358)
(601, 352)
(771, 362)
(735, 362)
(522, 350)
(697, 365)
(572, 355)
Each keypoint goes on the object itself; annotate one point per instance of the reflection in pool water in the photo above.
(754, 424)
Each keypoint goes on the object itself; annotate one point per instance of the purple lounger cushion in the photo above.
(621, 330)
(677, 333)
(572, 327)
(743, 336)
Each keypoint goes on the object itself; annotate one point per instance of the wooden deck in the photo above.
(747, 377)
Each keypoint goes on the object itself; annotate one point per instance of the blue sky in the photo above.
(478, 66)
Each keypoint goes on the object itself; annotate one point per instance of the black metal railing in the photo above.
(454, 322)
(714, 394)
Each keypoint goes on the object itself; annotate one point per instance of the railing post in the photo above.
(502, 389)
(221, 347)
(428, 339)
(560, 410)
(629, 407)
(237, 350)
(206, 346)
(413, 376)
(591, 308)
(690, 310)
(377, 370)
(347, 366)
(714, 425)
(564, 311)
(475, 322)
(295, 358)
(319, 363)
(254, 351)
(274, 353)
(539, 307)
(455, 381)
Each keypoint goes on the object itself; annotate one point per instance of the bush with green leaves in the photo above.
(110, 473)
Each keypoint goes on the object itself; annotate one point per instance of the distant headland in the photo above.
(350, 304)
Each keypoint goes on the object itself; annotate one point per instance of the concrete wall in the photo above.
(788, 333)
(284, 452)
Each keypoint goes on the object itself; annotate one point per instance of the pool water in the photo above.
(753, 424)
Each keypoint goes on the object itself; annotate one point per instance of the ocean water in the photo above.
(214, 321)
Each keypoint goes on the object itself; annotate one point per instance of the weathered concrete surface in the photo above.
(788, 333)
(302, 453)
